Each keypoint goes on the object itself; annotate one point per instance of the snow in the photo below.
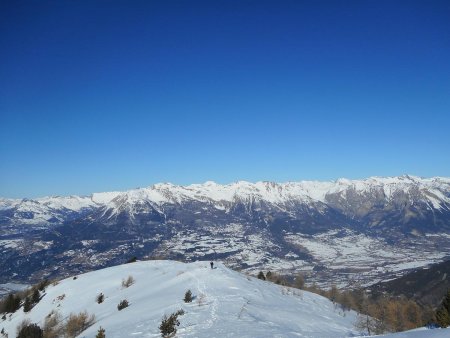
(11, 287)
(75, 203)
(226, 304)
(10, 243)
(6, 203)
(420, 333)
(370, 256)
(104, 197)
(435, 191)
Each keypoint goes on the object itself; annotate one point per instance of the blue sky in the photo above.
(112, 95)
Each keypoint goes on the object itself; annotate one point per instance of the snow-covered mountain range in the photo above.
(434, 193)
(358, 231)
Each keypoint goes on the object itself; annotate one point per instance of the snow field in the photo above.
(226, 304)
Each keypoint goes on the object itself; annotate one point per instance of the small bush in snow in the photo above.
(128, 282)
(299, 282)
(27, 305)
(100, 333)
(132, 260)
(169, 324)
(22, 324)
(261, 275)
(43, 284)
(53, 326)
(36, 297)
(100, 298)
(201, 299)
(180, 312)
(443, 312)
(10, 304)
(78, 323)
(188, 296)
(122, 305)
(30, 331)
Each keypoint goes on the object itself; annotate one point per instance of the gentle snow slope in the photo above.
(227, 304)
(420, 333)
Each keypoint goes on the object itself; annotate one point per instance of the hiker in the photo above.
(212, 265)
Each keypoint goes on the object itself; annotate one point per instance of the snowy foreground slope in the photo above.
(420, 333)
(227, 304)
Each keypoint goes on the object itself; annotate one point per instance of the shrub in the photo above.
(169, 324)
(36, 297)
(78, 323)
(100, 333)
(180, 312)
(27, 305)
(261, 275)
(443, 312)
(201, 299)
(53, 327)
(22, 324)
(30, 331)
(100, 298)
(122, 305)
(188, 296)
(299, 281)
(128, 282)
(132, 260)
(10, 304)
(43, 284)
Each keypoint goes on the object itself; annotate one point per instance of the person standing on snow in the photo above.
(212, 265)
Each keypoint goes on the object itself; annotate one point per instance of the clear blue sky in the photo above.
(112, 95)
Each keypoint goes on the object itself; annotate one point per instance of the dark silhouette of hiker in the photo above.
(212, 265)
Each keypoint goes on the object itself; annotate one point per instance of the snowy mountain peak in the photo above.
(432, 191)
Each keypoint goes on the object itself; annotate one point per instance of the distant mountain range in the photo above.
(358, 231)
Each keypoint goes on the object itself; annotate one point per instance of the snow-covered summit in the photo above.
(433, 191)
(275, 192)
(226, 304)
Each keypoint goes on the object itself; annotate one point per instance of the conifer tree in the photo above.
(36, 296)
(261, 275)
(188, 296)
(443, 312)
(27, 305)
(12, 303)
(101, 333)
(169, 325)
(30, 331)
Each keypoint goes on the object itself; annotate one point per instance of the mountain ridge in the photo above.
(347, 229)
(436, 191)
(342, 180)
